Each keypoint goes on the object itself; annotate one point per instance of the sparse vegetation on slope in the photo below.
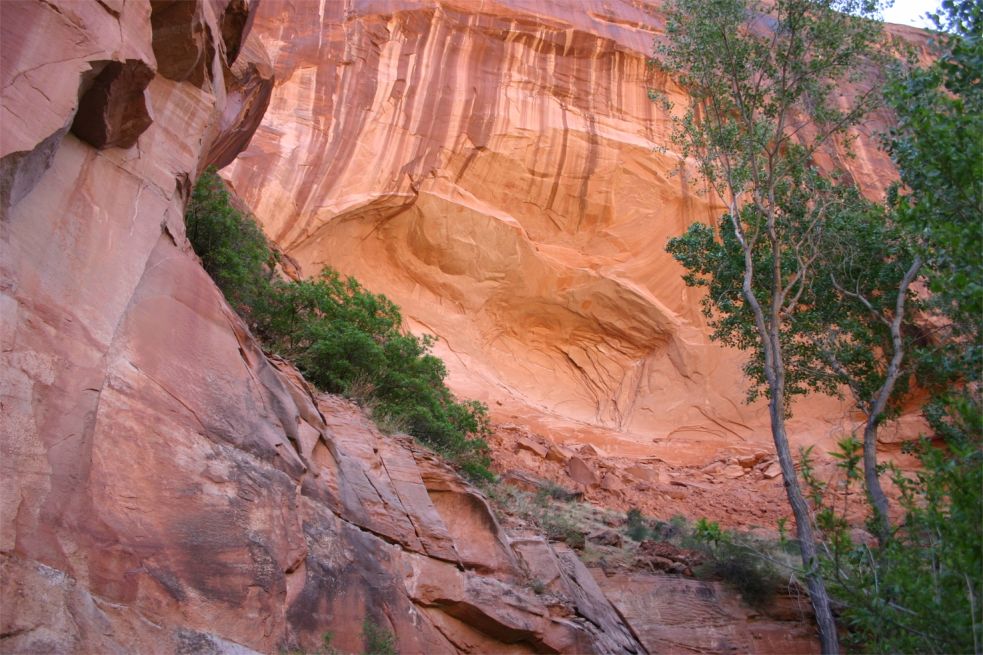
(757, 568)
(342, 337)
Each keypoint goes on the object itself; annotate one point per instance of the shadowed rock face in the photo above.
(183, 40)
(247, 97)
(113, 112)
(499, 170)
(164, 486)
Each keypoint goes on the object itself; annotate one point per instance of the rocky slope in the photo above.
(498, 169)
(166, 488)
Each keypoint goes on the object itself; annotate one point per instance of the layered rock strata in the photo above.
(676, 615)
(498, 168)
(166, 488)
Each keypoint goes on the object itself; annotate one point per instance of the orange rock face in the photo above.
(166, 488)
(498, 169)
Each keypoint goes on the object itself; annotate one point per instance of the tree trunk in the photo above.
(803, 528)
(769, 331)
(875, 493)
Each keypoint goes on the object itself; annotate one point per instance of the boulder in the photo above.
(534, 447)
(773, 471)
(611, 482)
(112, 113)
(606, 538)
(558, 454)
(580, 472)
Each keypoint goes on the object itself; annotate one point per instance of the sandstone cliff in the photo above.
(498, 169)
(166, 488)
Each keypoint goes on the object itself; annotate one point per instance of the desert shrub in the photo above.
(743, 572)
(327, 647)
(377, 640)
(636, 527)
(675, 530)
(553, 491)
(538, 586)
(732, 558)
(232, 248)
(559, 526)
(342, 337)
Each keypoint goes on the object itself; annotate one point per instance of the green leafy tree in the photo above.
(859, 319)
(762, 76)
(938, 148)
(920, 592)
(850, 328)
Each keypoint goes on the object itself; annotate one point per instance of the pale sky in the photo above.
(910, 12)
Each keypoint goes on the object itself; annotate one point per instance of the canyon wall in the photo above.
(498, 169)
(167, 488)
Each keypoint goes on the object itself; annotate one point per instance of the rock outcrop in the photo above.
(673, 614)
(499, 170)
(166, 487)
(741, 486)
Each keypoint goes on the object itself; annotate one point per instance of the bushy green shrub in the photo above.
(730, 557)
(377, 639)
(342, 337)
(635, 523)
(232, 248)
(921, 591)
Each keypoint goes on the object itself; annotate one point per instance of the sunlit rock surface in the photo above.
(497, 168)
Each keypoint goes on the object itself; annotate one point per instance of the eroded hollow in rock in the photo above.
(182, 41)
(234, 23)
(113, 112)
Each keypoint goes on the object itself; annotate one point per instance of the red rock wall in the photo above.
(164, 487)
(682, 616)
(497, 168)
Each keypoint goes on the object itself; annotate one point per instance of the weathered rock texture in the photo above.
(677, 615)
(495, 166)
(166, 488)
